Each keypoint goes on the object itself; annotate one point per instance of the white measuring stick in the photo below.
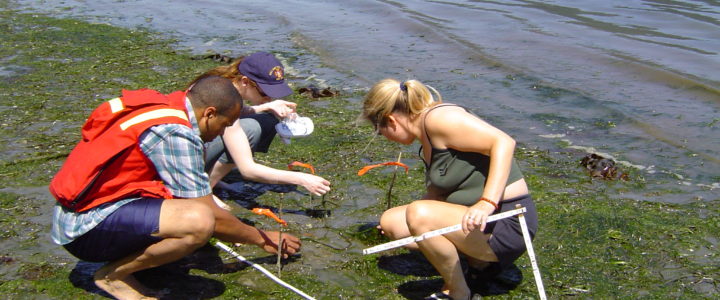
(265, 271)
(531, 254)
(429, 234)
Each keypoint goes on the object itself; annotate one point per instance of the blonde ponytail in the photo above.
(389, 95)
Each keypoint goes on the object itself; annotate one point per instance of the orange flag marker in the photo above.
(301, 164)
(268, 213)
(367, 168)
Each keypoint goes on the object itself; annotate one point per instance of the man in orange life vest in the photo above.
(134, 193)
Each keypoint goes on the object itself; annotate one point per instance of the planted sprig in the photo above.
(397, 164)
(268, 213)
(294, 164)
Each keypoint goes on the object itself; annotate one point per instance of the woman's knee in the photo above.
(260, 130)
(418, 213)
(392, 223)
(253, 130)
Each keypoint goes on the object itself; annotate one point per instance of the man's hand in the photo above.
(291, 244)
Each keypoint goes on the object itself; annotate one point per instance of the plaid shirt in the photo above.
(178, 155)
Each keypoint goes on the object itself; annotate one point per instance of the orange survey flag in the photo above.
(268, 213)
(367, 168)
(301, 164)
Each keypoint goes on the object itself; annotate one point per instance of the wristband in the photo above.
(489, 201)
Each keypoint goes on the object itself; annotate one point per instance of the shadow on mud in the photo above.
(412, 263)
(491, 281)
(245, 193)
(172, 280)
(494, 280)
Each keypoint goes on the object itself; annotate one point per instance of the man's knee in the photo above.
(205, 225)
(197, 222)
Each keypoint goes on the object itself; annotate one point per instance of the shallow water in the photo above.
(634, 80)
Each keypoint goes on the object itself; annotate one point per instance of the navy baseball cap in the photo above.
(267, 72)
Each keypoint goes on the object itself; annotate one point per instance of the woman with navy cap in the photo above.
(259, 78)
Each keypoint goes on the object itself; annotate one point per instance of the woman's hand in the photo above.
(316, 185)
(476, 216)
(279, 108)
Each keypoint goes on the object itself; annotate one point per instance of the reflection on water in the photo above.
(636, 80)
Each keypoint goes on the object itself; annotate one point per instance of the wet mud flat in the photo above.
(590, 244)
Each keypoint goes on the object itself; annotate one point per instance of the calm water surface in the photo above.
(635, 80)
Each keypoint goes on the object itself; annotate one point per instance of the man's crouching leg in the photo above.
(184, 227)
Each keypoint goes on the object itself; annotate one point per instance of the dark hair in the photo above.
(215, 91)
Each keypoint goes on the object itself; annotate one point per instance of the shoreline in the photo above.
(54, 71)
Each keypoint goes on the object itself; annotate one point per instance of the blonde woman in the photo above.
(470, 175)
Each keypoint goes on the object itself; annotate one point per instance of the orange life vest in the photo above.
(107, 164)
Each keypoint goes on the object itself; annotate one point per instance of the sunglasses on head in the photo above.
(379, 122)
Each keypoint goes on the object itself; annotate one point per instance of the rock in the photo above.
(315, 92)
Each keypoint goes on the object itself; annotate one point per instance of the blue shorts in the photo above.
(127, 230)
(507, 240)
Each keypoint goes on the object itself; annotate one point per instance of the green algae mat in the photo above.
(593, 242)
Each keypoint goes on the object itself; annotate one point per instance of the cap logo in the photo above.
(277, 72)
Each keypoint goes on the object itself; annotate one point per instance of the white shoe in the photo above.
(294, 126)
